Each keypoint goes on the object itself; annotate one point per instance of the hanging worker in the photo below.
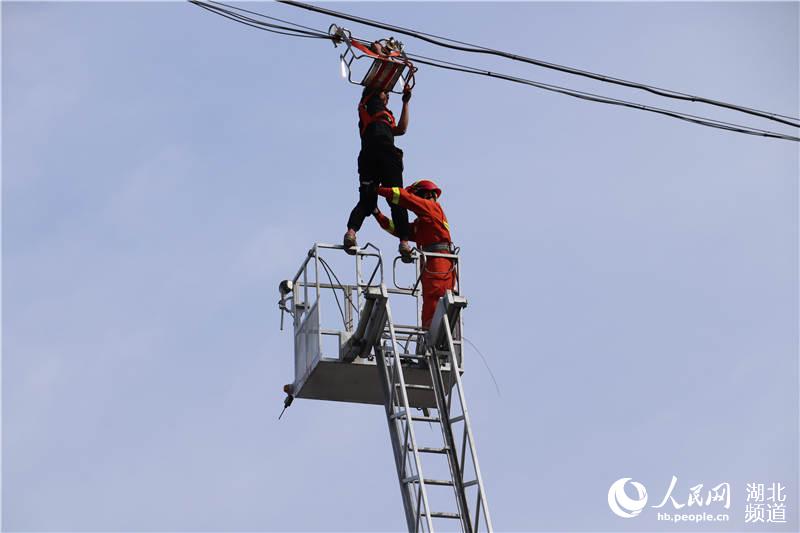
(431, 232)
(380, 162)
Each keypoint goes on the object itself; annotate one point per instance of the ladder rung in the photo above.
(415, 479)
(456, 419)
(402, 414)
(470, 483)
(425, 449)
(436, 514)
(446, 482)
(415, 386)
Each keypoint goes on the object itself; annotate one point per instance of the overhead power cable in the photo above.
(729, 126)
(299, 30)
(262, 15)
(472, 48)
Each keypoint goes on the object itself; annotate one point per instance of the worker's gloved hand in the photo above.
(406, 95)
(377, 47)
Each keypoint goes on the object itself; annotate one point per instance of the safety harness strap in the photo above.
(439, 247)
(366, 119)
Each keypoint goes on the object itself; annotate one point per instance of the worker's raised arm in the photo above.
(384, 221)
(402, 124)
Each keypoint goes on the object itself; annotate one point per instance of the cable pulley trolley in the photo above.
(386, 69)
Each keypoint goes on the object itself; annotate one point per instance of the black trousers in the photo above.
(379, 165)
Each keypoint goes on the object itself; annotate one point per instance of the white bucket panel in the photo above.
(358, 382)
(307, 346)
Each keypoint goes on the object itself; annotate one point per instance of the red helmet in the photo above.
(424, 185)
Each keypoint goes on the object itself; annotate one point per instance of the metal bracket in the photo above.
(370, 325)
(450, 305)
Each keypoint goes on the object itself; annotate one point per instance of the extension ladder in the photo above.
(437, 350)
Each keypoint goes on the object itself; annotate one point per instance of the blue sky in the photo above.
(632, 279)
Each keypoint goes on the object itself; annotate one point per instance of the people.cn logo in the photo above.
(621, 504)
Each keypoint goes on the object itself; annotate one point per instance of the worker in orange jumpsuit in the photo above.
(431, 232)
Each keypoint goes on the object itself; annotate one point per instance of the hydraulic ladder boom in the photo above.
(419, 378)
(439, 350)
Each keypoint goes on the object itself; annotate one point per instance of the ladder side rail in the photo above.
(405, 405)
(455, 370)
(387, 378)
(449, 389)
(404, 422)
(409, 470)
(419, 516)
(393, 388)
(408, 465)
(449, 395)
(463, 452)
(456, 471)
(478, 510)
(460, 323)
(410, 473)
(461, 460)
(404, 453)
(405, 488)
(398, 426)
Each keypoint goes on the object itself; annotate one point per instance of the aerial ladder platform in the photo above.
(413, 372)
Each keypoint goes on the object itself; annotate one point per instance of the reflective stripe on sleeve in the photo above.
(395, 195)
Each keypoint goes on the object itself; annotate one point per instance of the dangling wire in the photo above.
(346, 295)
(335, 295)
(491, 374)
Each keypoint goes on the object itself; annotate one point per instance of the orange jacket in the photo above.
(381, 114)
(431, 225)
